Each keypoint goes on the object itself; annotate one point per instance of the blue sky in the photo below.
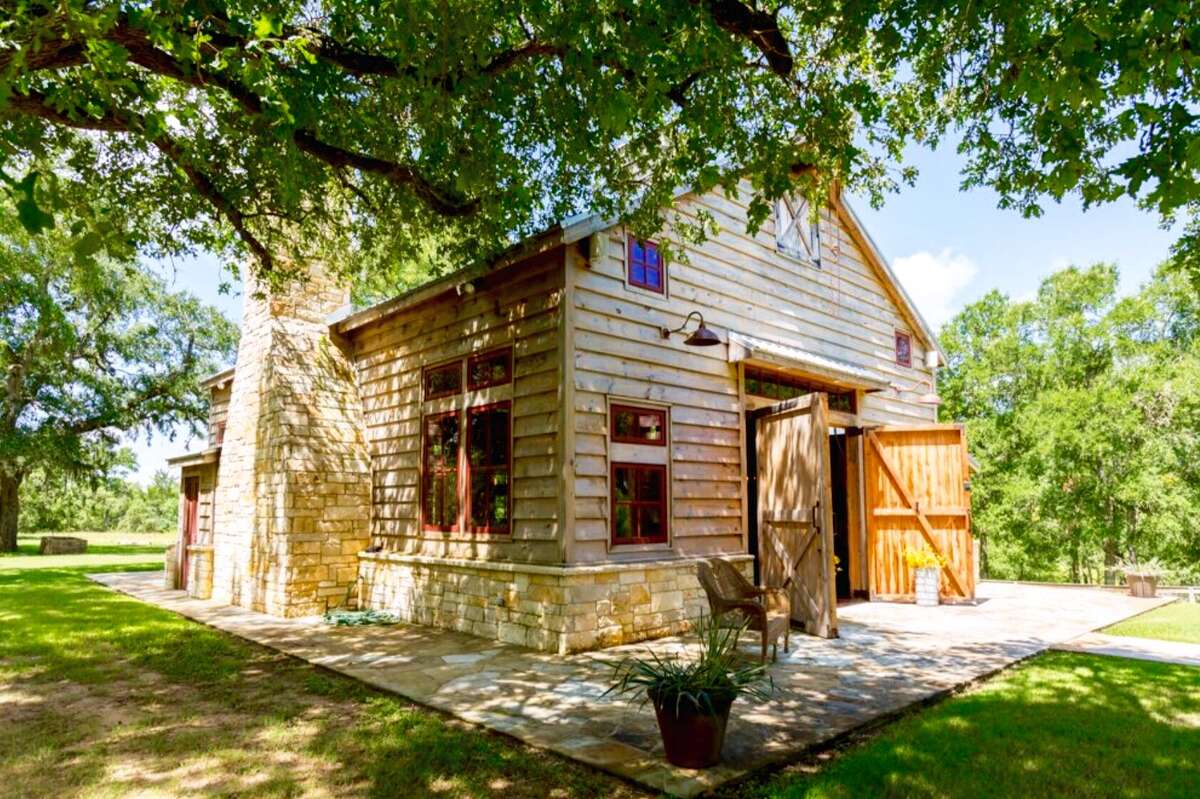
(948, 248)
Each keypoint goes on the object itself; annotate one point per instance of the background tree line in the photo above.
(1083, 410)
(53, 503)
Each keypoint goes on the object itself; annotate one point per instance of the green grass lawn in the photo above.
(105, 550)
(1179, 621)
(1061, 725)
(104, 696)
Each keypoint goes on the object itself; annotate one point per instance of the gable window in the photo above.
(639, 503)
(632, 425)
(796, 234)
(439, 484)
(646, 266)
(443, 381)
(489, 467)
(489, 369)
(903, 349)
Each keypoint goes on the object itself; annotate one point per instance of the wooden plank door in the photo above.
(191, 515)
(795, 524)
(917, 494)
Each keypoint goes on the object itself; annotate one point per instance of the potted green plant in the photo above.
(927, 568)
(692, 697)
(1142, 578)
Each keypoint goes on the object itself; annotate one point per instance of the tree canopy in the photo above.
(240, 126)
(1083, 409)
(91, 349)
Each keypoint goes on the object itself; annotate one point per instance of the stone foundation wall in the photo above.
(551, 608)
(200, 571)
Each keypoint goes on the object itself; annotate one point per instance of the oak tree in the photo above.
(242, 126)
(91, 349)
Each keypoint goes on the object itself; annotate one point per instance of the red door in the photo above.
(191, 508)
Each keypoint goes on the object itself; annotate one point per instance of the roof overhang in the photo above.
(756, 351)
(210, 455)
(217, 380)
(571, 231)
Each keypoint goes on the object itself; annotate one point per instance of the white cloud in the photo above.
(933, 280)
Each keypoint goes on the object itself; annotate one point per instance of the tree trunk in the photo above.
(10, 510)
(1111, 555)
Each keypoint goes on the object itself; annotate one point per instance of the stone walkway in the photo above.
(1140, 648)
(889, 657)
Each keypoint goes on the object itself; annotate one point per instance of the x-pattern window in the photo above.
(795, 232)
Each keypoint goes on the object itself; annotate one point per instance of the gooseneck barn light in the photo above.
(928, 398)
(700, 337)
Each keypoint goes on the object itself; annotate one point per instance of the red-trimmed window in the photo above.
(489, 369)
(439, 477)
(633, 425)
(903, 349)
(489, 468)
(646, 266)
(443, 381)
(639, 503)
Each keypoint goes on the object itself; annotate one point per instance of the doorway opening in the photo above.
(839, 471)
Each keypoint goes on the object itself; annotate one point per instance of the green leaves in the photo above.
(1081, 408)
(31, 215)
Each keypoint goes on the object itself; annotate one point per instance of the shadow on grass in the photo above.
(105, 694)
(1059, 725)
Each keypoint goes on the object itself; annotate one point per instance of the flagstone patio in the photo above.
(888, 657)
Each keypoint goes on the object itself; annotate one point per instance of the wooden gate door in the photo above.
(795, 524)
(191, 508)
(917, 494)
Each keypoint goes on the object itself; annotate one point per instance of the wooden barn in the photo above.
(540, 448)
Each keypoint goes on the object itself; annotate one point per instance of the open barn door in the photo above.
(795, 526)
(917, 494)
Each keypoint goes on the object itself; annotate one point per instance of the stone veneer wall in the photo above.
(552, 608)
(294, 486)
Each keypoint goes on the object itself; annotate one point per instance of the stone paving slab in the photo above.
(888, 657)
(1124, 646)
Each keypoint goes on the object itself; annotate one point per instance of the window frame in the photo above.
(485, 355)
(613, 409)
(662, 502)
(457, 524)
(661, 289)
(901, 335)
(468, 470)
(811, 242)
(438, 367)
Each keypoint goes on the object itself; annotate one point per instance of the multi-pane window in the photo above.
(774, 385)
(631, 425)
(443, 381)
(903, 348)
(466, 455)
(489, 468)
(646, 266)
(639, 503)
(795, 232)
(489, 369)
(439, 489)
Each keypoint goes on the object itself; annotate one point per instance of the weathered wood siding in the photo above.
(517, 306)
(218, 410)
(842, 309)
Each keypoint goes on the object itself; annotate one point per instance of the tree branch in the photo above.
(758, 27)
(37, 104)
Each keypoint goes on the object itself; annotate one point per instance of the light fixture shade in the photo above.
(930, 398)
(702, 337)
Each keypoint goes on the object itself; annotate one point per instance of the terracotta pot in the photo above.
(1143, 585)
(692, 738)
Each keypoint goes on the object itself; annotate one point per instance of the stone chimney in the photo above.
(294, 482)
